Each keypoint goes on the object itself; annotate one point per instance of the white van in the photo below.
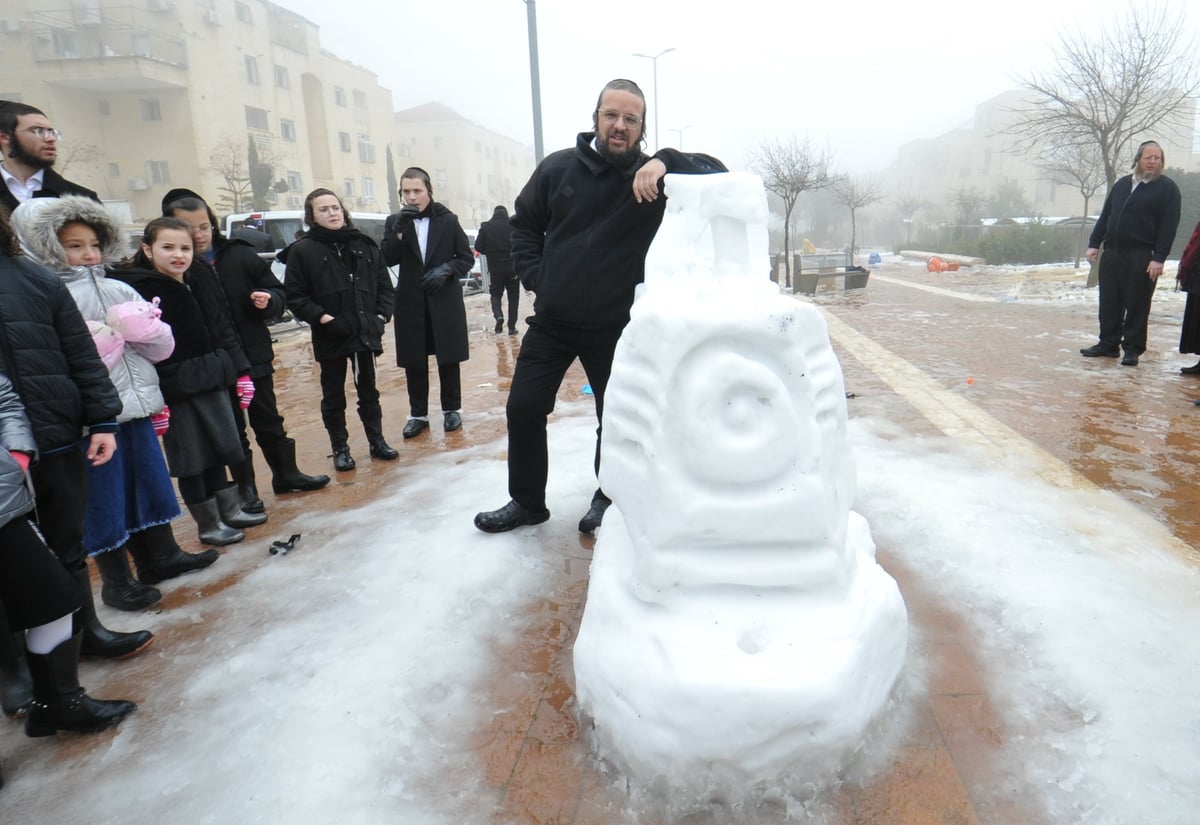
(284, 225)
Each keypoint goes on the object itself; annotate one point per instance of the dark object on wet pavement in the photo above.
(342, 460)
(282, 548)
(1098, 351)
(1130, 360)
(595, 514)
(1194, 369)
(509, 517)
(452, 421)
(415, 427)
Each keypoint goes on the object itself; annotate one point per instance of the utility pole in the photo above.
(653, 58)
(535, 81)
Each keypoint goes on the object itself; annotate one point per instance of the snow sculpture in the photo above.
(737, 627)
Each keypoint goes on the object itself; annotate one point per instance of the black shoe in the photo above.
(1192, 370)
(381, 449)
(342, 461)
(1098, 351)
(415, 427)
(595, 514)
(512, 330)
(452, 422)
(119, 589)
(499, 325)
(1130, 360)
(509, 517)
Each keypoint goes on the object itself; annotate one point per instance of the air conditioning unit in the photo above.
(138, 184)
(10, 26)
(213, 17)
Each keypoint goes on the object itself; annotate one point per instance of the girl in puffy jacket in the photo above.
(202, 441)
(131, 502)
(39, 595)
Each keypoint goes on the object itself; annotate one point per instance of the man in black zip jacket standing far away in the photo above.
(582, 227)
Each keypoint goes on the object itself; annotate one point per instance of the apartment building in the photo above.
(155, 94)
(473, 169)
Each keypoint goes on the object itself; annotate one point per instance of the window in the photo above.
(102, 105)
(256, 118)
(360, 99)
(344, 141)
(150, 108)
(348, 187)
(439, 179)
(287, 130)
(66, 43)
(339, 95)
(252, 70)
(281, 77)
(368, 189)
(114, 170)
(140, 44)
(159, 171)
(242, 12)
(437, 142)
(366, 150)
(478, 148)
(295, 182)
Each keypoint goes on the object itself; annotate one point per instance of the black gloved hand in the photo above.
(436, 278)
(408, 212)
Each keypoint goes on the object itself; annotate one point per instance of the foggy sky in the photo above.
(862, 77)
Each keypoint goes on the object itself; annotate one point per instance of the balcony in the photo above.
(109, 52)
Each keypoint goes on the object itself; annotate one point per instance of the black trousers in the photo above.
(449, 389)
(34, 586)
(1125, 294)
(547, 352)
(60, 483)
(333, 395)
(506, 283)
(263, 415)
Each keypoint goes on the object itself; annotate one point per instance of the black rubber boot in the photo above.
(379, 448)
(59, 703)
(120, 589)
(16, 689)
(159, 557)
(96, 639)
(595, 514)
(243, 478)
(212, 529)
(229, 505)
(285, 475)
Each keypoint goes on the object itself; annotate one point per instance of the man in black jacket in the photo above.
(582, 227)
(254, 298)
(47, 352)
(1137, 227)
(494, 242)
(30, 146)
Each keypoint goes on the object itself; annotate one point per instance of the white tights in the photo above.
(44, 638)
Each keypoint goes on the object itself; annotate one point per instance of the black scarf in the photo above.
(334, 237)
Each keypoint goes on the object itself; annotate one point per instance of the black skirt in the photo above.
(35, 588)
(202, 435)
(1189, 334)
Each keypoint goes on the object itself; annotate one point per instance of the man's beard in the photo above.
(22, 155)
(621, 159)
(1148, 177)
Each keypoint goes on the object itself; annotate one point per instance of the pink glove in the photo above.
(245, 391)
(21, 458)
(161, 421)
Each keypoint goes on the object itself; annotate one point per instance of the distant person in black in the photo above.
(30, 146)
(254, 232)
(493, 243)
(1137, 227)
(580, 233)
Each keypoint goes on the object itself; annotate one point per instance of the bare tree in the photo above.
(228, 159)
(1112, 89)
(790, 167)
(908, 206)
(855, 193)
(1078, 165)
(968, 202)
(77, 153)
(1008, 201)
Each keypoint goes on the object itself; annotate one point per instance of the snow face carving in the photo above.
(737, 627)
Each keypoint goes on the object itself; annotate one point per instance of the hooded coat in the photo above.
(432, 323)
(37, 223)
(15, 435)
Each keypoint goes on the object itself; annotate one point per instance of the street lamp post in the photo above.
(534, 81)
(653, 58)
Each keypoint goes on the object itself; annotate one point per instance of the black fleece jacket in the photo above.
(579, 238)
(1145, 219)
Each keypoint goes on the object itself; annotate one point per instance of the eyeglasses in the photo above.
(611, 117)
(44, 133)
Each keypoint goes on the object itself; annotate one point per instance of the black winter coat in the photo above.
(54, 185)
(495, 242)
(240, 271)
(579, 238)
(1145, 218)
(207, 354)
(49, 356)
(447, 245)
(346, 280)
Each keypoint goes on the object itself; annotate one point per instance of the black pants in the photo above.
(547, 352)
(502, 283)
(34, 586)
(60, 483)
(333, 395)
(450, 389)
(263, 415)
(1125, 294)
